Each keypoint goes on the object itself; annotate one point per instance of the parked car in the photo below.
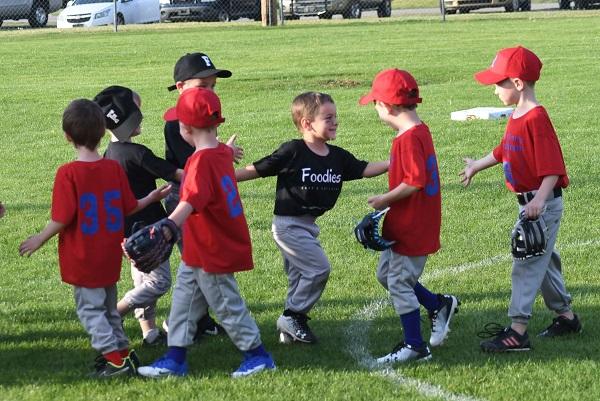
(35, 11)
(464, 6)
(294, 9)
(209, 10)
(86, 13)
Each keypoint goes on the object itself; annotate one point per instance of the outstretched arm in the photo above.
(33, 243)
(181, 212)
(374, 169)
(154, 196)
(472, 167)
(246, 173)
(238, 151)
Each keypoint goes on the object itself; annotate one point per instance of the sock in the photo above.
(258, 351)
(124, 352)
(411, 323)
(430, 301)
(151, 335)
(177, 354)
(114, 357)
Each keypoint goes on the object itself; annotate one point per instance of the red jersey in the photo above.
(529, 151)
(215, 235)
(414, 222)
(91, 198)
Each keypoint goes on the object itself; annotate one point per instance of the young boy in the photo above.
(90, 197)
(414, 218)
(310, 174)
(217, 244)
(121, 107)
(535, 170)
(193, 70)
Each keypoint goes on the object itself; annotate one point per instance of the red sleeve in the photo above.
(196, 189)
(497, 153)
(129, 200)
(413, 162)
(64, 198)
(546, 148)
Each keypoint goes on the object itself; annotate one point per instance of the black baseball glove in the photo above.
(148, 247)
(367, 232)
(529, 238)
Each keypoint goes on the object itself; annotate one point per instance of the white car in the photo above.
(86, 13)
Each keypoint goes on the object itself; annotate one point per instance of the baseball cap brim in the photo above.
(488, 77)
(123, 132)
(204, 74)
(366, 99)
(171, 114)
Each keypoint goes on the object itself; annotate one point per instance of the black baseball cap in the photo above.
(196, 65)
(121, 113)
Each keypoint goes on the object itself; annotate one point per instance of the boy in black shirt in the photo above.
(309, 174)
(123, 117)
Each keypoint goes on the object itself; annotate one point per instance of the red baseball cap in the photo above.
(395, 87)
(198, 107)
(513, 62)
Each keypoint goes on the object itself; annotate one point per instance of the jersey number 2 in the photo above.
(89, 204)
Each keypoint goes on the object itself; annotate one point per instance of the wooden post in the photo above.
(268, 12)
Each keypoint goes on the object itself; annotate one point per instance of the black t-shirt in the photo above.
(306, 182)
(177, 150)
(142, 168)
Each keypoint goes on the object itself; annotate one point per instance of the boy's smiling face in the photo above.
(324, 125)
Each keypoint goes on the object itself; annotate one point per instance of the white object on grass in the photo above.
(481, 113)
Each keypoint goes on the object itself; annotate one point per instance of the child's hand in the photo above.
(160, 192)
(30, 245)
(378, 202)
(2, 210)
(534, 208)
(468, 172)
(238, 151)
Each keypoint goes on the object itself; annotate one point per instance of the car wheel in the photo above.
(38, 16)
(581, 4)
(223, 15)
(326, 15)
(451, 12)
(120, 19)
(564, 4)
(464, 10)
(525, 5)
(385, 9)
(354, 11)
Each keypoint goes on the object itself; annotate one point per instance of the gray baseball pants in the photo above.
(195, 291)
(148, 288)
(542, 272)
(97, 311)
(399, 274)
(304, 261)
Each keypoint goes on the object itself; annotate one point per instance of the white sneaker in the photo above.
(440, 319)
(405, 352)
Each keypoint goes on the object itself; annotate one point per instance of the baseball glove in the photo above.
(367, 232)
(529, 238)
(148, 247)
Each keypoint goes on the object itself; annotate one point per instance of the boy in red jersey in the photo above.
(90, 197)
(534, 169)
(414, 218)
(217, 243)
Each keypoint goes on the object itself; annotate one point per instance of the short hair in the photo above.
(83, 120)
(307, 105)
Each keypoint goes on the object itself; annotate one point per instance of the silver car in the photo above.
(35, 11)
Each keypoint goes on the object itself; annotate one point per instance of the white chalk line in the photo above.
(357, 333)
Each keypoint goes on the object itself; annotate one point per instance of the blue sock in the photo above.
(429, 300)
(258, 351)
(177, 354)
(411, 323)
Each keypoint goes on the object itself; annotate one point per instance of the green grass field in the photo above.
(44, 352)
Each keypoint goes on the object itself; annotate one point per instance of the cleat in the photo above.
(160, 340)
(405, 353)
(253, 364)
(561, 326)
(505, 339)
(164, 367)
(296, 327)
(440, 319)
(109, 370)
(207, 326)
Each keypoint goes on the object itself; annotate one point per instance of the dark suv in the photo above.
(211, 10)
